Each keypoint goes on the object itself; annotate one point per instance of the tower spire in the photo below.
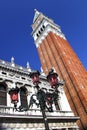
(36, 15)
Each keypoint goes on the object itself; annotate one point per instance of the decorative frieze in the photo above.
(37, 126)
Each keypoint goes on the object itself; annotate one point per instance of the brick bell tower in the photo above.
(55, 51)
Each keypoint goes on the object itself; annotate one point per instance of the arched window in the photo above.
(43, 27)
(3, 94)
(23, 97)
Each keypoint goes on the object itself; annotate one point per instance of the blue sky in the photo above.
(16, 17)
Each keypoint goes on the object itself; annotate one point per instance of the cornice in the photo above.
(16, 68)
(48, 29)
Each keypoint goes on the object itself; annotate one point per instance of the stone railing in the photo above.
(15, 67)
(33, 112)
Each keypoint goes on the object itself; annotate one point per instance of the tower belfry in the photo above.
(55, 51)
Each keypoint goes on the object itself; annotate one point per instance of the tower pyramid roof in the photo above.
(37, 13)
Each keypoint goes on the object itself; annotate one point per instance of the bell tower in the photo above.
(55, 51)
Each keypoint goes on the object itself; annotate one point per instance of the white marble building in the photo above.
(12, 75)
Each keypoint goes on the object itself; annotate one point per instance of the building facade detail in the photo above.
(44, 26)
(11, 119)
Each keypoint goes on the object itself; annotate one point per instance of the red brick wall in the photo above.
(56, 52)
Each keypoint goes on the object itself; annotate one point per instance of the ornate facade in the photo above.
(11, 76)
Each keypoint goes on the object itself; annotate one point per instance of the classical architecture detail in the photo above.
(55, 51)
(42, 26)
(31, 119)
